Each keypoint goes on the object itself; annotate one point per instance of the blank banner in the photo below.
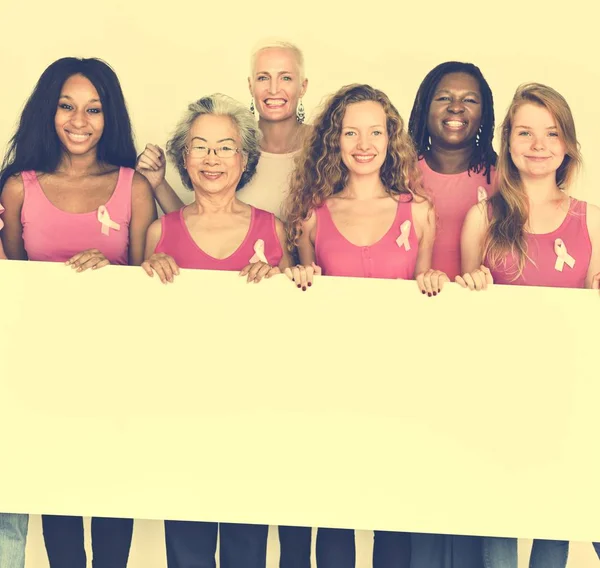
(358, 403)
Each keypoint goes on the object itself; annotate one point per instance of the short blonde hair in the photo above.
(275, 43)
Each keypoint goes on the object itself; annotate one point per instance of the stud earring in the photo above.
(300, 114)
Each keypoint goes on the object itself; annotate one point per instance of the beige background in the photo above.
(167, 54)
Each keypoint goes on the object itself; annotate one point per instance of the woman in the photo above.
(71, 195)
(356, 174)
(531, 233)
(452, 125)
(215, 149)
(277, 83)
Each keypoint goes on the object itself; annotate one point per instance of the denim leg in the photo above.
(191, 544)
(500, 552)
(336, 548)
(13, 535)
(111, 542)
(391, 549)
(243, 545)
(429, 551)
(597, 548)
(549, 554)
(63, 537)
(294, 544)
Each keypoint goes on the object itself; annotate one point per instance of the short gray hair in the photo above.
(221, 105)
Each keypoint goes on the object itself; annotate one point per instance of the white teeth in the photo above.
(78, 137)
(455, 123)
(363, 158)
(274, 102)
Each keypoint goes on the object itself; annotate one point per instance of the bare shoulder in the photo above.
(422, 209)
(140, 186)
(310, 221)
(593, 218)
(155, 228)
(13, 188)
(478, 214)
(593, 212)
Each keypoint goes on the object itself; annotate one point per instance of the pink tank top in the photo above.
(393, 256)
(53, 235)
(453, 195)
(261, 238)
(561, 258)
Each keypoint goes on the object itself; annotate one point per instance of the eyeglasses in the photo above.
(203, 151)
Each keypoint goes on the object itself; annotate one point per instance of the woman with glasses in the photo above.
(215, 149)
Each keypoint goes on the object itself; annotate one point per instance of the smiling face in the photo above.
(214, 174)
(79, 121)
(364, 138)
(536, 147)
(455, 111)
(276, 84)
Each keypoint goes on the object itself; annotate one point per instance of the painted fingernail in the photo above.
(299, 285)
(435, 293)
(310, 283)
(429, 294)
(439, 291)
(304, 288)
(423, 291)
(293, 279)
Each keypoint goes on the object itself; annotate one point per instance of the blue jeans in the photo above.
(446, 551)
(192, 544)
(13, 534)
(336, 548)
(502, 553)
(597, 547)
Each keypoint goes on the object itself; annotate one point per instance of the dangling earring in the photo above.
(300, 115)
(252, 105)
(477, 136)
(428, 143)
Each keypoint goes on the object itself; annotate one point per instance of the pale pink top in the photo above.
(552, 254)
(393, 256)
(176, 241)
(453, 195)
(53, 235)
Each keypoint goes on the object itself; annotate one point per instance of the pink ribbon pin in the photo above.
(259, 252)
(481, 194)
(402, 240)
(106, 222)
(562, 256)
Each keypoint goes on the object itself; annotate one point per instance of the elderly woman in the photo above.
(216, 149)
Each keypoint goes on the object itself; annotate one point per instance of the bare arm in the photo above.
(168, 200)
(143, 214)
(593, 225)
(12, 234)
(152, 165)
(286, 259)
(471, 241)
(424, 219)
(306, 242)
(153, 235)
